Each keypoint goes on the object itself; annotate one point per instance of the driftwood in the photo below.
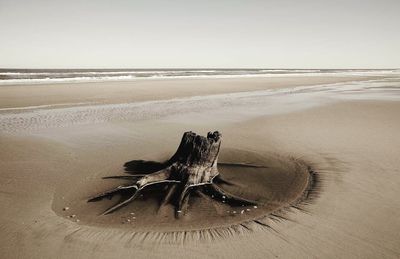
(192, 169)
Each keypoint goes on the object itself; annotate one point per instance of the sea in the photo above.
(45, 76)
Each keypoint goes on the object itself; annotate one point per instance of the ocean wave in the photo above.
(17, 77)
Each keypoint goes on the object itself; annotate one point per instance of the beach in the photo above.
(327, 146)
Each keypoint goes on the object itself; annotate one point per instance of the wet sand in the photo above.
(72, 94)
(55, 157)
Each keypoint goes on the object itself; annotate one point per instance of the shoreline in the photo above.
(110, 75)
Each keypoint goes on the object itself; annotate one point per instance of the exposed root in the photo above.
(119, 205)
(112, 192)
(183, 201)
(193, 165)
(232, 200)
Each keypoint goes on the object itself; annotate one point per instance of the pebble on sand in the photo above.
(66, 208)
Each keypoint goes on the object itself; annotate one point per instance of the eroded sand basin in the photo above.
(353, 144)
(276, 183)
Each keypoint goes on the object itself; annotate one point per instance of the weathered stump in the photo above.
(193, 168)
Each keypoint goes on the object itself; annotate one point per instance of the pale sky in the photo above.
(200, 34)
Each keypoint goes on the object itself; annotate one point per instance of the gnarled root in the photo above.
(193, 168)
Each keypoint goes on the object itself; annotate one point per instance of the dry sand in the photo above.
(347, 129)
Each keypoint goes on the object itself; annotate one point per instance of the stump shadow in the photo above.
(143, 166)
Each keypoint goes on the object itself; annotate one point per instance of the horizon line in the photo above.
(193, 68)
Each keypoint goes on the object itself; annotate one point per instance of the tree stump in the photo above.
(192, 169)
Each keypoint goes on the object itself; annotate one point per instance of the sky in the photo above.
(199, 34)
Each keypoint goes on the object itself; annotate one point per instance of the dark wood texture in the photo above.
(193, 168)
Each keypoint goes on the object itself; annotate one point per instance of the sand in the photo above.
(344, 128)
(71, 94)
